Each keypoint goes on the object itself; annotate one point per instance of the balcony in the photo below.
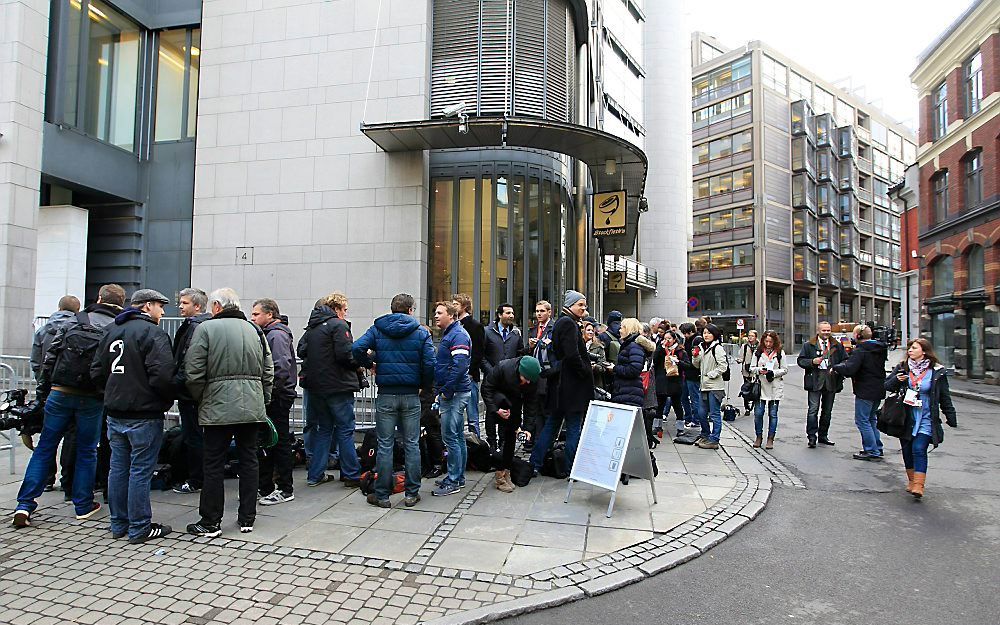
(864, 165)
(867, 288)
(637, 275)
(864, 195)
(864, 226)
(803, 192)
(865, 257)
(863, 134)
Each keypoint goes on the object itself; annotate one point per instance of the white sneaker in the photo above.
(274, 498)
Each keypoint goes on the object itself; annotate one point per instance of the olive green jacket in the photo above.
(229, 371)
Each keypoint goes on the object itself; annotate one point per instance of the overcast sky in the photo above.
(875, 43)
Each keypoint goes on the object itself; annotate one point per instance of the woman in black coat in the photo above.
(921, 373)
(671, 387)
(627, 388)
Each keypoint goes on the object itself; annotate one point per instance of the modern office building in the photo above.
(291, 149)
(792, 218)
(958, 224)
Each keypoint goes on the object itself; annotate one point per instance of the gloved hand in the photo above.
(770, 376)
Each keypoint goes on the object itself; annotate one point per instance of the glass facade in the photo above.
(178, 62)
(501, 237)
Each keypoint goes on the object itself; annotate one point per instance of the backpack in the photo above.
(368, 479)
(480, 456)
(727, 374)
(554, 464)
(78, 346)
(368, 451)
(520, 472)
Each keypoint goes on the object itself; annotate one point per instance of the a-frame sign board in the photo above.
(613, 442)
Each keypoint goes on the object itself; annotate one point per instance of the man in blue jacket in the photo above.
(402, 352)
(454, 388)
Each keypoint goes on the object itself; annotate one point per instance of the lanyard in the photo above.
(916, 381)
(826, 349)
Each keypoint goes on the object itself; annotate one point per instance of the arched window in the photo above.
(944, 276)
(976, 266)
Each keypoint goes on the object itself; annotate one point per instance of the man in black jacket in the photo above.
(817, 359)
(540, 347)
(866, 368)
(503, 341)
(135, 368)
(692, 374)
(276, 463)
(510, 392)
(331, 376)
(193, 305)
(478, 335)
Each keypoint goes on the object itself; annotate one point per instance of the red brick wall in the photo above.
(925, 122)
(955, 104)
(987, 137)
(991, 64)
(909, 225)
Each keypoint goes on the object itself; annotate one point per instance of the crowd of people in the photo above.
(108, 375)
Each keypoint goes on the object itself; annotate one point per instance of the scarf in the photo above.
(918, 367)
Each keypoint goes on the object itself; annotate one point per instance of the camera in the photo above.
(16, 413)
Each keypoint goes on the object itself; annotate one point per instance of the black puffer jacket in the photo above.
(866, 368)
(134, 366)
(325, 349)
(182, 340)
(628, 373)
(575, 380)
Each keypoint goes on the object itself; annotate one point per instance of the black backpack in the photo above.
(480, 457)
(78, 346)
(368, 451)
(554, 464)
(727, 374)
(520, 472)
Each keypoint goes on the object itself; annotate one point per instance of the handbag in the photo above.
(750, 390)
(669, 367)
(891, 418)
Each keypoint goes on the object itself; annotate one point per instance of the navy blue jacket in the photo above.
(866, 368)
(628, 373)
(403, 354)
(451, 371)
(279, 341)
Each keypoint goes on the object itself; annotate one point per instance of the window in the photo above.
(725, 79)
(724, 220)
(944, 276)
(703, 223)
(722, 258)
(895, 145)
(743, 217)
(701, 188)
(743, 179)
(845, 113)
(880, 134)
(699, 154)
(177, 83)
(775, 74)
(909, 152)
(973, 179)
(724, 183)
(742, 142)
(720, 148)
(743, 255)
(940, 198)
(976, 267)
(973, 74)
(101, 85)
(699, 261)
(709, 52)
(880, 163)
(721, 111)
(939, 104)
(822, 101)
(799, 87)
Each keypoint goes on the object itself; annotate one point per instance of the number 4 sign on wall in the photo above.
(244, 256)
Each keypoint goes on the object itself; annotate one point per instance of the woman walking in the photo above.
(746, 355)
(768, 364)
(669, 359)
(926, 397)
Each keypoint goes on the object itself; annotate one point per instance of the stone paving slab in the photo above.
(73, 572)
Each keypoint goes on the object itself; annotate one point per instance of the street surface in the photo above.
(852, 547)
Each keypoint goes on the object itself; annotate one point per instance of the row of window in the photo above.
(729, 299)
(724, 183)
(726, 146)
(721, 111)
(943, 271)
(972, 95)
(972, 185)
(721, 258)
(717, 82)
(721, 221)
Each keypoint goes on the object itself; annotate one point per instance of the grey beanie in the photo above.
(143, 296)
(572, 297)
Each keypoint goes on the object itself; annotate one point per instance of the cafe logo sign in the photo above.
(609, 214)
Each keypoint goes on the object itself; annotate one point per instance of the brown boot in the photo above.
(757, 441)
(501, 483)
(909, 480)
(506, 477)
(770, 443)
(917, 490)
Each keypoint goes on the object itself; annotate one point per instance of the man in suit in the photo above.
(817, 359)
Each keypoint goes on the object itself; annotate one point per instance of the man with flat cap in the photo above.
(134, 366)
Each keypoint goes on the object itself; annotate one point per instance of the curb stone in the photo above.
(507, 609)
(976, 396)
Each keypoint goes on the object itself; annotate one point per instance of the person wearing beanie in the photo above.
(510, 392)
(572, 384)
(710, 357)
(615, 318)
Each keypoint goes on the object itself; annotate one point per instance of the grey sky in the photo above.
(873, 42)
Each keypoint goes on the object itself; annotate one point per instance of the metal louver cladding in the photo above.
(455, 59)
(514, 57)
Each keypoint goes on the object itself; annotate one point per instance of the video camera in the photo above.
(16, 413)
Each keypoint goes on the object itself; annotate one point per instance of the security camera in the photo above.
(455, 109)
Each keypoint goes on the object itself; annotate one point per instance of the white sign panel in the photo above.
(740, 324)
(603, 444)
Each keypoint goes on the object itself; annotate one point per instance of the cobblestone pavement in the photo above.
(67, 571)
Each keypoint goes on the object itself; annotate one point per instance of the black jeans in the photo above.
(193, 441)
(508, 428)
(821, 404)
(276, 462)
(217, 439)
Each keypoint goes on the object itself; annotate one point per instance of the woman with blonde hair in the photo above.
(925, 397)
(627, 386)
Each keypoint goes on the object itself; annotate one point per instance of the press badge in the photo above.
(912, 398)
(824, 364)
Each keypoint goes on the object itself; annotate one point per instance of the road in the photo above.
(852, 547)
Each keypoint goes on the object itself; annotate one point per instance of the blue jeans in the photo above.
(866, 420)
(472, 410)
(308, 427)
(711, 412)
(333, 415)
(692, 402)
(574, 424)
(453, 433)
(61, 409)
(772, 417)
(915, 452)
(135, 446)
(402, 412)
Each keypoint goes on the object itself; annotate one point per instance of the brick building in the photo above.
(958, 219)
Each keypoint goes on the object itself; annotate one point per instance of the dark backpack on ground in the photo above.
(480, 456)
(520, 472)
(368, 451)
(368, 482)
(554, 464)
(79, 344)
(729, 412)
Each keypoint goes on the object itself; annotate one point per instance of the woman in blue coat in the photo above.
(627, 387)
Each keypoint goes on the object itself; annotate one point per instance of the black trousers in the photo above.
(494, 431)
(217, 439)
(193, 440)
(675, 404)
(821, 406)
(276, 463)
(508, 427)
